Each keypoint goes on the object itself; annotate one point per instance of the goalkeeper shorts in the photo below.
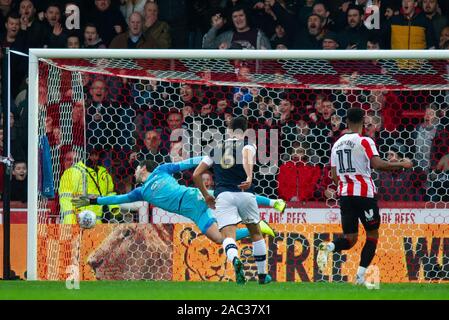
(195, 208)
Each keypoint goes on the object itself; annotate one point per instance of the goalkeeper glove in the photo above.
(83, 201)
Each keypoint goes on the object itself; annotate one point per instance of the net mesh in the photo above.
(127, 110)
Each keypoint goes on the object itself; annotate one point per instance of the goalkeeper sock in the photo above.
(260, 256)
(368, 252)
(264, 201)
(241, 233)
(230, 248)
(340, 244)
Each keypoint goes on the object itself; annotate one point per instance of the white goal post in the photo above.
(35, 55)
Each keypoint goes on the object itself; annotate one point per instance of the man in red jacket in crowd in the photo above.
(297, 178)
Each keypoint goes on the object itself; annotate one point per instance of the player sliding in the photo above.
(162, 190)
(352, 158)
(235, 199)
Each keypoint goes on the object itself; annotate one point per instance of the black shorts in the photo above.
(354, 208)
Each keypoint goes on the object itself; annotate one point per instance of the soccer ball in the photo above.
(87, 219)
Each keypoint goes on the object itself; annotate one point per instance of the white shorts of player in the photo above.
(235, 207)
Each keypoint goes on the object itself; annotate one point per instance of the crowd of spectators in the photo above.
(135, 120)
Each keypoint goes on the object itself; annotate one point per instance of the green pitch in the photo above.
(125, 290)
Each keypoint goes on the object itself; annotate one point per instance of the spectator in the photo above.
(98, 182)
(285, 123)
(280, 38)
(322, 134)
(337, 128)
(19, 181)
(390, 10)
(261, 116)
(152, 148)
(243, 36)
(128, 7)
(411, 29)
(399, 185)
(286, 19)
(56, 36)
(444, 37)
(313, 37)
(187, 111)
(355, 35)
(35, 30)
(440, 143)
(302, 133)
(134, 38)
(433, 13)
(69, 157)
(92, 39)
(326, 190)
(189, 98)
(372, 126)
(387, 105)
(15, 39)
(424, 135)
(108, 19)
(207, 111)
(78, 123)
(438, 181)
(330, 41)
(298, 134)
(297, 178)
(373, 43)
(156, 31)
(315, 110)
(174, 126)
(322, 10)
(73, 42)
(218, 18)
(109, 124)
(222, 106)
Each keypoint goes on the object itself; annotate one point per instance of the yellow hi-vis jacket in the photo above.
(81, 180)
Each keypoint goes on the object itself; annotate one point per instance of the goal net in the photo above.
(109, 109)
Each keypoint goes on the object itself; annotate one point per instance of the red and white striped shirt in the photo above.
(351, 155)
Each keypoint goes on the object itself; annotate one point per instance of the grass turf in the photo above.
(153, 290)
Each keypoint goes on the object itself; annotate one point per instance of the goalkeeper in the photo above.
(162, 190)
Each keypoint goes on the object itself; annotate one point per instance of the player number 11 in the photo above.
(342, 167)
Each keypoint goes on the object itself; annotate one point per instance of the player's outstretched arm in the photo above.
(181, 165)
(382, 165)
(134, 195)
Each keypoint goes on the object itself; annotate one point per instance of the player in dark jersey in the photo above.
(234, 201)
(352, 158)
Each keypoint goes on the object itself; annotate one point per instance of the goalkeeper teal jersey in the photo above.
(160, 189)
(163, 191)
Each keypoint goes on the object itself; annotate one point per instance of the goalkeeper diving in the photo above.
(162, 190)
